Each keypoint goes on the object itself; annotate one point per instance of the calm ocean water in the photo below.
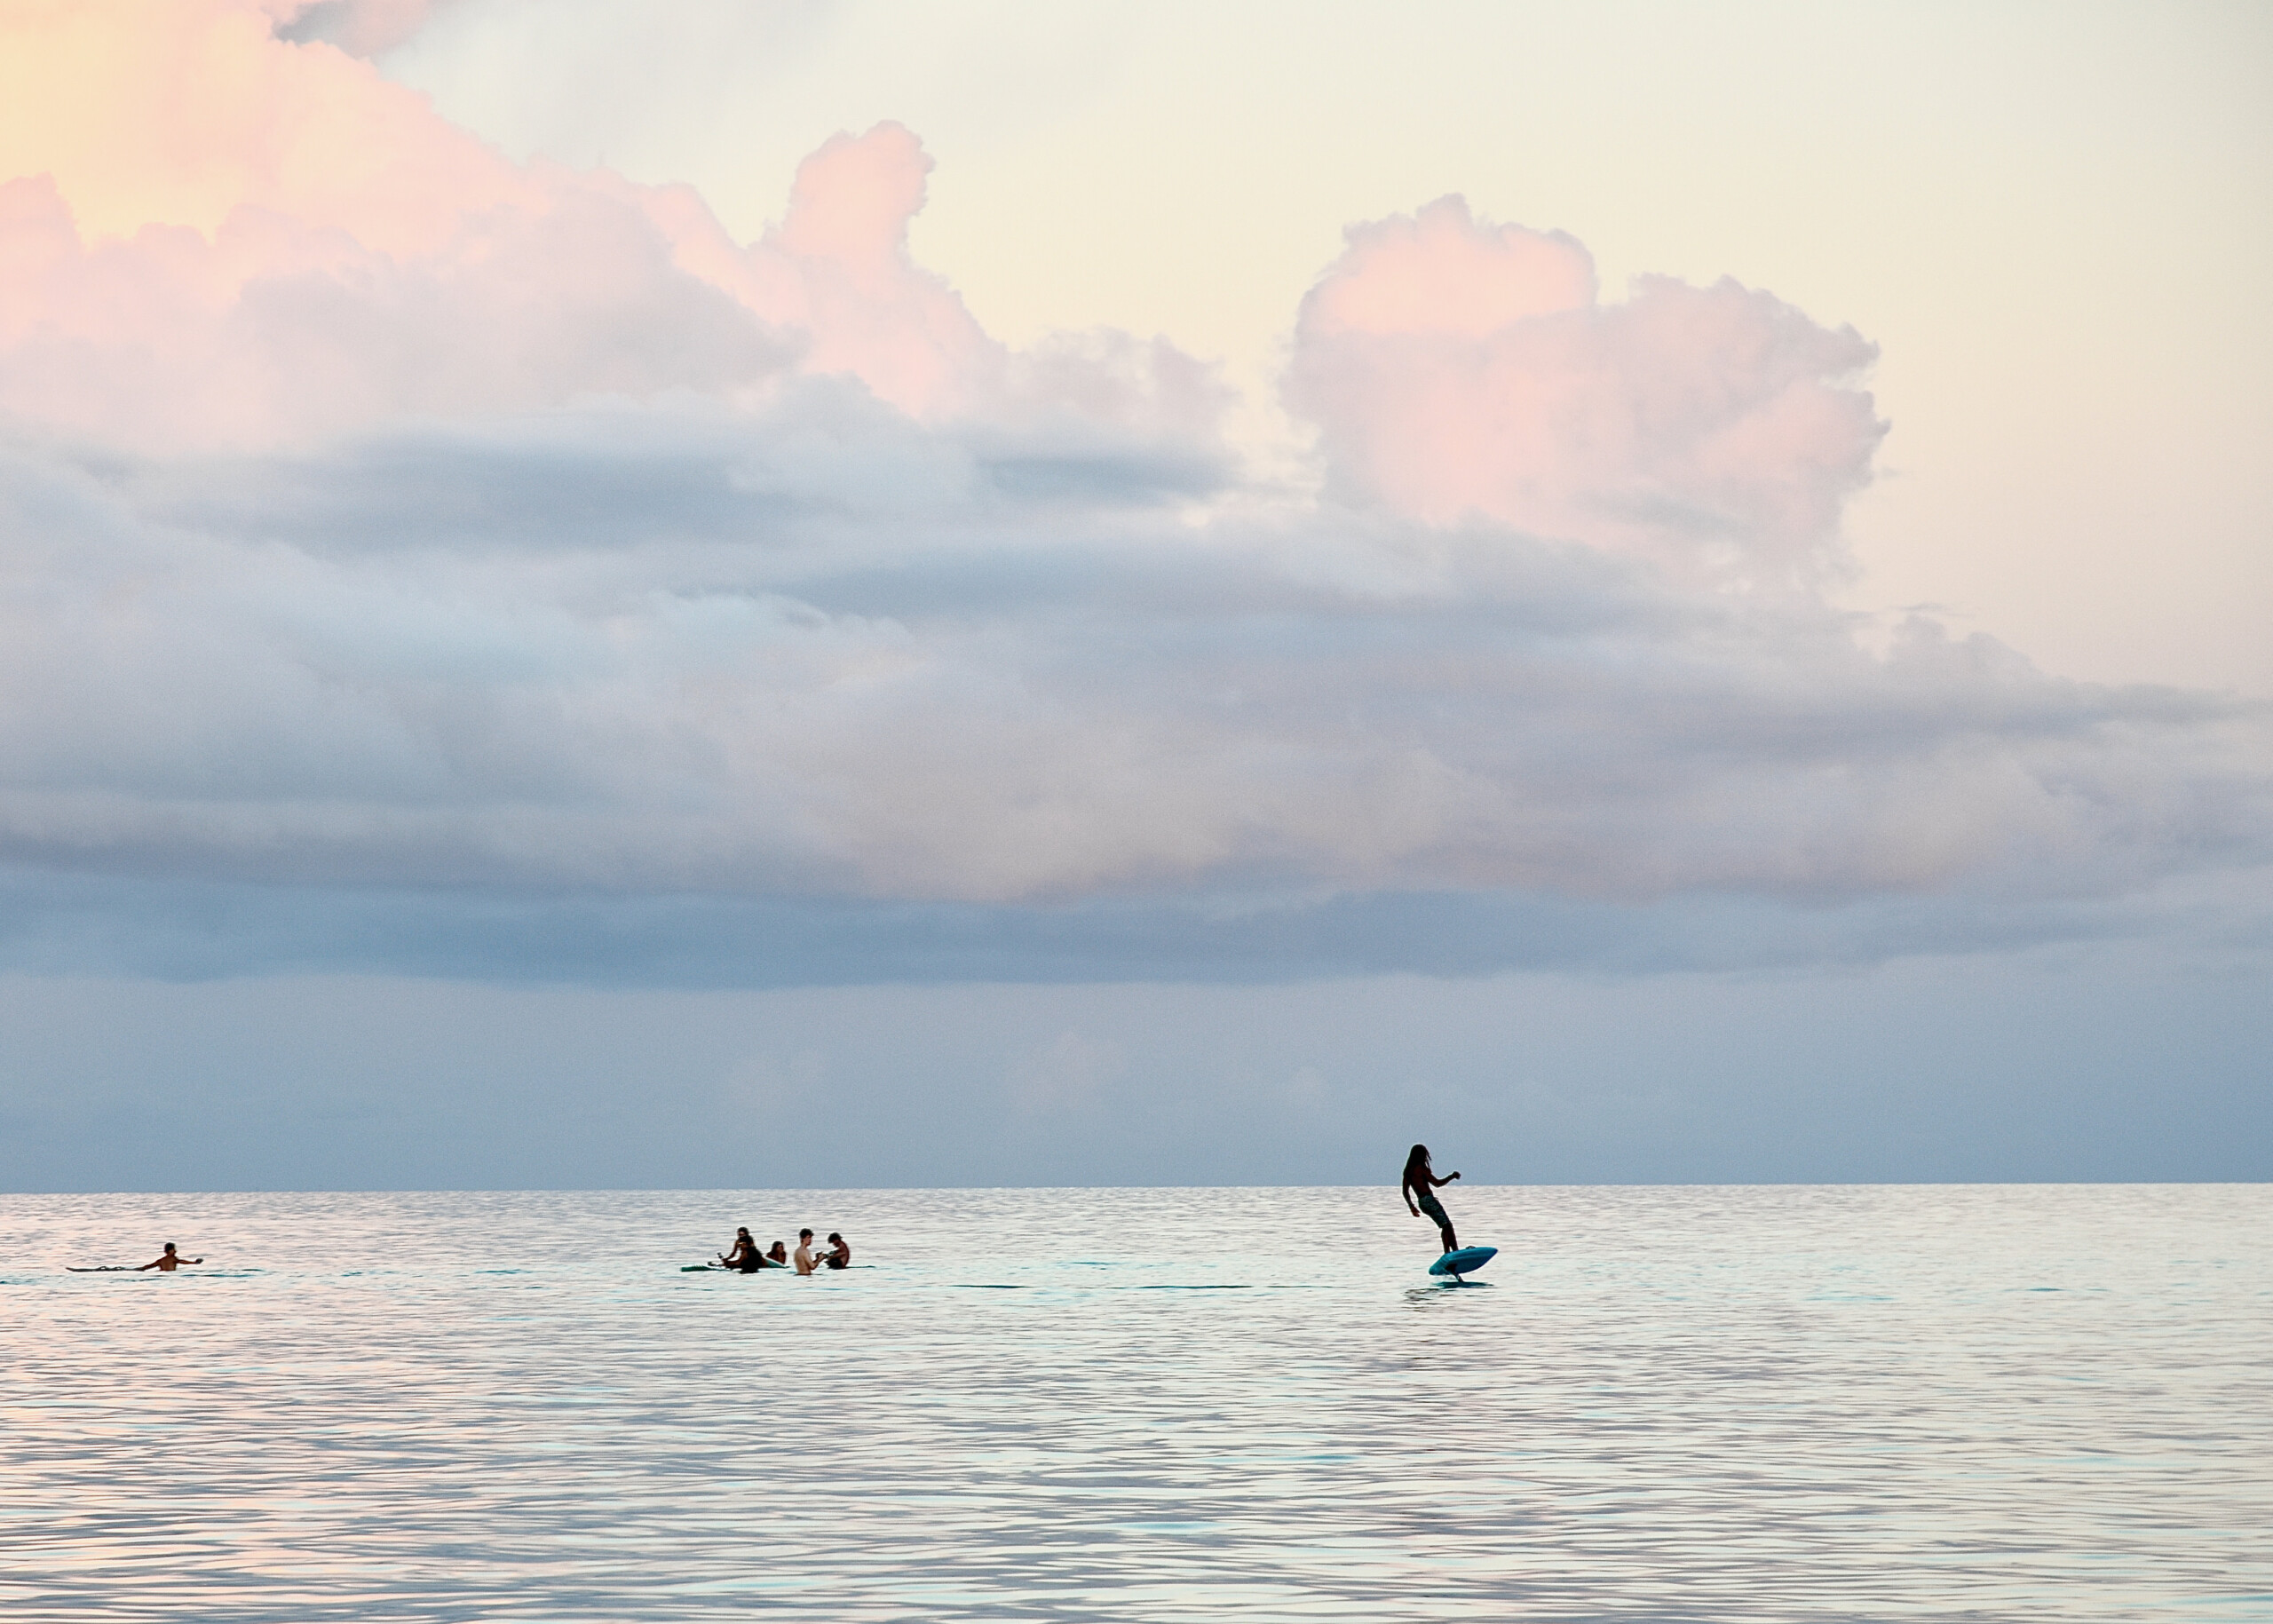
(1756, 1403)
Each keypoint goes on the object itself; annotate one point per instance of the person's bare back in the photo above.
(168, 1261)
(1419, 1189)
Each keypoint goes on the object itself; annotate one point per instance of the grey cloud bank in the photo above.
(667, 652)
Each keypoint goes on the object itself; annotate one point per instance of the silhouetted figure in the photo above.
(745, 1257)
(1420, 1192)
(839, 1255)
(168, 1262)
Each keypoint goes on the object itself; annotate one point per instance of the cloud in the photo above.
(380, 518)
(219, 238)
(262, 336)
(360, 28)
(1457, 369)
(595, 649)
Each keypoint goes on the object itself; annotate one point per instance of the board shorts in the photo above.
(1431, 1205)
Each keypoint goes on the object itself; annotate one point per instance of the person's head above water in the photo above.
(804, 1235)
(170, 1248)
(835, 1238)
(742, 1234)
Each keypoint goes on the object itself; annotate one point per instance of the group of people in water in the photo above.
(1419, 1188)
(746, 1257)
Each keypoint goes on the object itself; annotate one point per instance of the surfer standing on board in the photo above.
(166, 1261)
(1420, 1192)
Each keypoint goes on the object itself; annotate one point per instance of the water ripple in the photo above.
(1992, 1403)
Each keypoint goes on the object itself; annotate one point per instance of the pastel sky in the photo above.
(832, 594)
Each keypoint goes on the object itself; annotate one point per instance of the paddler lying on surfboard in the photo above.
(1420, 1186)
(168, 1261)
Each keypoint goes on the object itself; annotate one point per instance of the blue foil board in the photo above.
(1466, 1261)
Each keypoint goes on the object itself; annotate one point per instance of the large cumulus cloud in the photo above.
(1456, 369)
(380, 516)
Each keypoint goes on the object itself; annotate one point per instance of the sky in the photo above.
(830, 595)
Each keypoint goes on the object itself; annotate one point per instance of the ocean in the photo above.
(1992, 1402)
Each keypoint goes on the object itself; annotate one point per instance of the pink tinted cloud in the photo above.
(181, 113)
(272, 333)
(1455, 369)
(1441, 271)
(837, 269)
(214, 236)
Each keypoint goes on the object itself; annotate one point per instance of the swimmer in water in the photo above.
(1420, 1192)
(804, 1253)
(167, 1262)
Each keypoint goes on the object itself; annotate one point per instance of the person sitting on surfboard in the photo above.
(168, 1262)
(839, 1255)
(745, 1257)
(777, 1256)
(1420, 1192)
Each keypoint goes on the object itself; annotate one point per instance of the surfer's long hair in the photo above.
(1415, 1162)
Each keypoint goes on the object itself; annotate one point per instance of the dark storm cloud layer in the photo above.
(754, 696)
